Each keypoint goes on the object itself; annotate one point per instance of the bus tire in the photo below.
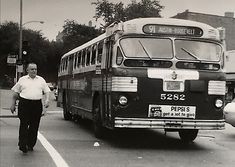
(188, 135)
(97, 123)
(67, 115)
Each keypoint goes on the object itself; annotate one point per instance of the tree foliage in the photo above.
(110, 12)
(9, 38)
(47, 54)
(8, 45)
(39, 50)
(75, 34)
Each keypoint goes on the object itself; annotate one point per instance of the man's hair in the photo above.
(30, 63)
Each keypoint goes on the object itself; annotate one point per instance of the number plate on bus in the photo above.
(171, 111)
(173, 85)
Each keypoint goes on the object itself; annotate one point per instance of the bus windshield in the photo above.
(197, 50)
(150, 48)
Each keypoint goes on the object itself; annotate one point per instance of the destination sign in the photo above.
(172, 30)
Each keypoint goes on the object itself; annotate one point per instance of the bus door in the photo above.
(70, 73)
(106, 80)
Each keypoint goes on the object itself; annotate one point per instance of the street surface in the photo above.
(66, 143)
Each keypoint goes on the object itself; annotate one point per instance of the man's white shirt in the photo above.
(31, 88)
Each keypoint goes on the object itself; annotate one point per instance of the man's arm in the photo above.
(47, 95)
(15, 96)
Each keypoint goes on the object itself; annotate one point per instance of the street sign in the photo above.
(11, 60)
(20, 68)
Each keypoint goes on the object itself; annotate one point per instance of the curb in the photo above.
(8, 116)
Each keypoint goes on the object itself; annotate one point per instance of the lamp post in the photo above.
(19, 69)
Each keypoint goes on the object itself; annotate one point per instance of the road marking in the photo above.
(57, 158)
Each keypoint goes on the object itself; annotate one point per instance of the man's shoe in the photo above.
(23, 149)
(30, 148)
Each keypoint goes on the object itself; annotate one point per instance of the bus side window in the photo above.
(119, 57)
(70, 63)
(83, 57)
(66, 64)
(79, 59)
(61, 65)
(75, 61)
(93, 55)
(88, 56)
(100, 51)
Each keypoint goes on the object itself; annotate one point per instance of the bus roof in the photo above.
(136, 26)
(97, 39)
(166, 21)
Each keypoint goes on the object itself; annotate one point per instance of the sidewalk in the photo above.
(5, 103)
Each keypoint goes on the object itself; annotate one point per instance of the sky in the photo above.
(55, 12)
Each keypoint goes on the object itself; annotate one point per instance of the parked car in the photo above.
(56, 93)
(229, 112)
(51, 86)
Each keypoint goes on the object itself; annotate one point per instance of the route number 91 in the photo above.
(169, 96)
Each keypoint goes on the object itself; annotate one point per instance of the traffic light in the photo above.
(25, 51)
(25, 54)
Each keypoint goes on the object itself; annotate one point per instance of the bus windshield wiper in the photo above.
(191, 54)
(145, 50)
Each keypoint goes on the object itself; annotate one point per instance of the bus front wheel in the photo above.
(188, 135)
(98, 128)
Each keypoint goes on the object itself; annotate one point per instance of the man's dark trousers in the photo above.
(29, 113)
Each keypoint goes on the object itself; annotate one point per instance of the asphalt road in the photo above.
(65, 143)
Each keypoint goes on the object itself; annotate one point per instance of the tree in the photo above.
(8, 45)
(110, 12)
(105, 10)
(75, 34)
(119, 13)
(54, 53)
(40, 50)
(145, 8)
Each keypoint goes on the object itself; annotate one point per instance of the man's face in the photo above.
(32, 70)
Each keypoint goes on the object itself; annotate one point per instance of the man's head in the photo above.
(32, 70)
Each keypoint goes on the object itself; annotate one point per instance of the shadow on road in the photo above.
(141, 138)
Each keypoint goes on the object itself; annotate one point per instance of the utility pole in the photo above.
(0, 12)
(20, 62)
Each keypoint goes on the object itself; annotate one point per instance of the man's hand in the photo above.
(46, 104)
(13, 103)
(13, 109)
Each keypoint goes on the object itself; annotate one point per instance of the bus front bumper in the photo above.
(169, 124)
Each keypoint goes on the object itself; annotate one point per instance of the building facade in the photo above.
(227, 21)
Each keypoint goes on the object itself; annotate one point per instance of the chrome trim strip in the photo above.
(169, 124)
(82, 108)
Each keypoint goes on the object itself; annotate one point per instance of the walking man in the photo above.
(29, 91)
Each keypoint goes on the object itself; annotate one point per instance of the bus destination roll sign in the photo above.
(172, 30)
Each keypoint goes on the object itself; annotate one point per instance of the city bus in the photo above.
(153, 73)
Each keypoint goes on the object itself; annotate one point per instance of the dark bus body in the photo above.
(131, 83)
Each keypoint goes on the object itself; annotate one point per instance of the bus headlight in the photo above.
(123, 100)
(218, 103)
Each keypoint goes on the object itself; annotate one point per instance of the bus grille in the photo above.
(216, 87)
(123, 84)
